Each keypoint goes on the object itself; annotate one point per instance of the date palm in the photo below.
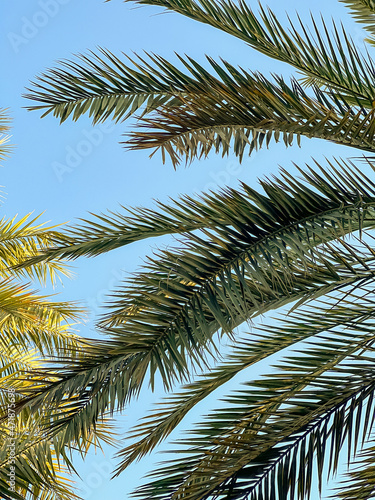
(302, 245)
(33, 330)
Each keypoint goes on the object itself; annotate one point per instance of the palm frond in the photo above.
(244, 111)
(104, 86)
(28, 320)
(259, 345)
(303, 205)
(22, 239)
(42, 466)
(363, 11)
(360, 480)
(166, 328)
(329, 60)
(277, 425)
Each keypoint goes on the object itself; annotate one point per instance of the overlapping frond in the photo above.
(258, 345)
(330, 60)
(244, 111)
(277, 425)
(363, 11)
(165, 318)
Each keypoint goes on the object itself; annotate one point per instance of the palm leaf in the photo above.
(277, 425)
(303, 205)
(169, 315)
(244, 111)
(104, 86)
(21, 240)
(258, 345)
(363, 11)
(332, 61)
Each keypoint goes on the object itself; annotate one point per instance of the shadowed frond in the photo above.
(166, 320)
(260, 344)
(278, 425)
(243, 111)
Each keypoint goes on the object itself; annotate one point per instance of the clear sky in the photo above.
(71, 169)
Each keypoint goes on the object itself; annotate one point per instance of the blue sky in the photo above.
(71, 169)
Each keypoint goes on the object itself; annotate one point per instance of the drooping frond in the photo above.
(258, 345)
(363, 11)
(278, 425)
(242, 111)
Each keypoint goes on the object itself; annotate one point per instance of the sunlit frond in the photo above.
(363, 11)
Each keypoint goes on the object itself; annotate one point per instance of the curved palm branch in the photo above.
(279, 424)
(173, 309)
(105, 86)
(258, 345)
(249, 111)
(317, 199)
(332, 61)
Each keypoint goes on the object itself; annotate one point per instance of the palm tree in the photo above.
(33, 330)
(303, 246)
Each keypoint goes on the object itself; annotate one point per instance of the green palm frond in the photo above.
(244, 111)
(359, 483)
(105, 86)
(28, 320)
(363, 11)
(260, 344)
(287, 205)
(166, 321)
(326, 59)
(43, 467)
(278, 424)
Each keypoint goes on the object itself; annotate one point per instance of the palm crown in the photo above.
(244, 252)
